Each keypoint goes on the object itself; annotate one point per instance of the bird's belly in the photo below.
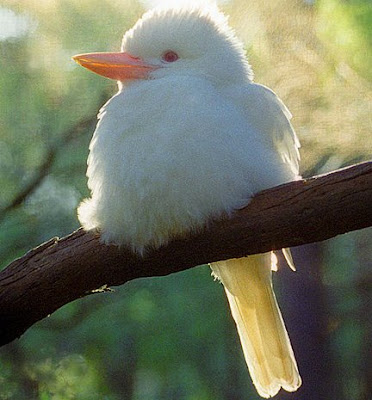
(166, 188)
(160, 177)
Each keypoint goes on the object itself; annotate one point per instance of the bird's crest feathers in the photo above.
(200, 34)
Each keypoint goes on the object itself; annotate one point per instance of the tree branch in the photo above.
(45, 167)
(62, 270)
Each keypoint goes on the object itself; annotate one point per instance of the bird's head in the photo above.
(175, 41)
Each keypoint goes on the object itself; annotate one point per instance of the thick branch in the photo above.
(300, 212)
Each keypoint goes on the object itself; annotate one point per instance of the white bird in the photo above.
(188, 138)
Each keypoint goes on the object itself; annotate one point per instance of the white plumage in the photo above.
(188, 138)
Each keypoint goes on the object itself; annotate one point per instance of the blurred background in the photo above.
(173, 337)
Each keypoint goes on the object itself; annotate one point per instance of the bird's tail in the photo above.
(266, 346)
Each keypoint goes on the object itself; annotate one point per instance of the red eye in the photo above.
(170, 56)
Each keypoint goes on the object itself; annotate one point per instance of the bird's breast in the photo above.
(166, 157)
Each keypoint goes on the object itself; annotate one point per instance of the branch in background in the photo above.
(62, 270)
(48, 162)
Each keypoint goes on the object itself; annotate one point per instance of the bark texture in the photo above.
(62, 270)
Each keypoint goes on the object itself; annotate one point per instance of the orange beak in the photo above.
(118, 66)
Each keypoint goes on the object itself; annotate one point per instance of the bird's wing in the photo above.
(271, 118)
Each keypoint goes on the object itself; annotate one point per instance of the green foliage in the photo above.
(345, 30)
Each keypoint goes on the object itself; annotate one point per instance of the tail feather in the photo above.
(266, 345)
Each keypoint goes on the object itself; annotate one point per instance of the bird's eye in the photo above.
(170, 56)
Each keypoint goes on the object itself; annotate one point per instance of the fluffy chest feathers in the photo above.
(169, 154)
